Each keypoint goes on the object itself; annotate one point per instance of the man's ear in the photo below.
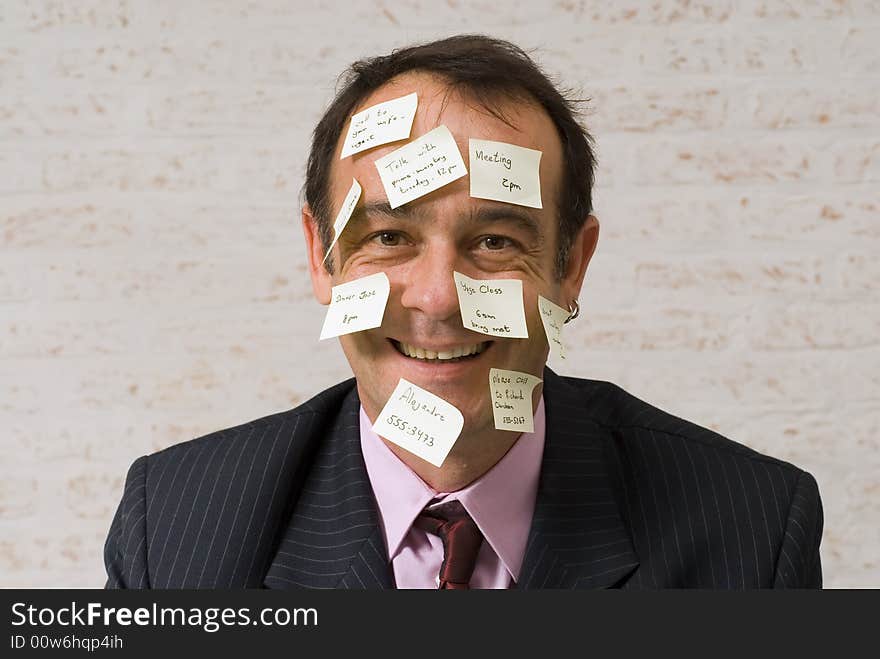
(582, 249)
(321, 281)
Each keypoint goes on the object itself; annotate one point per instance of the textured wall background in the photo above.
(152, 272)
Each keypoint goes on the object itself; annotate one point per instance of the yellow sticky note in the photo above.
(511, 394)
(492, 306)
(420, 167)
(505, 172)
(380, 124)
(553, 318)
(344, 215)
(356, 305)
(420, 422)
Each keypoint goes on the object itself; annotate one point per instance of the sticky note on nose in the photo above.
(492, 306)
(553, 318)
(505, 172)
(422, 166)
(380, 124)
(420, 422)
(356, 305)
(511, 393)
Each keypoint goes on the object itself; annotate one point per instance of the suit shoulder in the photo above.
(635, 420)
(702, 510)
(326, 403)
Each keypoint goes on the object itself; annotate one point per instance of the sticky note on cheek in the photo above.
(380, 124)
(511, 393)
(553, 318)
(420, 422)
(344, 215)
(505, 172)
(356, 305)
(492, 306)
(422, 166)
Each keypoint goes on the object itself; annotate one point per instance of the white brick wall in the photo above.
(151, 157)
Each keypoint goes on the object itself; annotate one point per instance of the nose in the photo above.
(430, 286)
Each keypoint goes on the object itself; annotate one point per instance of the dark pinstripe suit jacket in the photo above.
(629, 496)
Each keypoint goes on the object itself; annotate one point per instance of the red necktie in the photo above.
(461, 543)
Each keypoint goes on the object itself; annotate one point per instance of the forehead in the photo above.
(525, 124)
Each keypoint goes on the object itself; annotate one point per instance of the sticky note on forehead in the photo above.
(492, 306)
(356, 305)
(380, 124)
(553, 318)
(420, 167)
(344, 215)
(420, 422)
(511, 394)
(505, 172)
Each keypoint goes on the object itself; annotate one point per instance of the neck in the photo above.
(472, 456)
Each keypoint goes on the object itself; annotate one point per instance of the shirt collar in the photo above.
(501, 501)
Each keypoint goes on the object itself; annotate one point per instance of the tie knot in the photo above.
(461, 543)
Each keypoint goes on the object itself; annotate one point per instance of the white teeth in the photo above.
(422, 353)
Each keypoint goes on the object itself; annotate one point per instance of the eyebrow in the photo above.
(522, 217)
(383, 208)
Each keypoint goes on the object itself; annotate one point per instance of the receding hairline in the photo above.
(464, 93)
(486, 102)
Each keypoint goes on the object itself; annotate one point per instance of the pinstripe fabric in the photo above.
(699, 510)
(333, 539)
(629, 497)
(206, 513)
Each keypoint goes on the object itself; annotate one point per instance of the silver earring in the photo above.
(573, 310)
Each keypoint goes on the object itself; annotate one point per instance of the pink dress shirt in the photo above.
(501, 502)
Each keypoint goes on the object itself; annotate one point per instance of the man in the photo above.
(606, 491)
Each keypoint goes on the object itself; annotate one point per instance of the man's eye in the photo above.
(496, 242)
(388, 238)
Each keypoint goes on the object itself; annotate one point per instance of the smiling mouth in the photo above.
(458, 353)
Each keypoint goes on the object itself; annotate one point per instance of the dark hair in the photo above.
(487, 70)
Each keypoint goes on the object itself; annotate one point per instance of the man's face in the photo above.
(421, 243)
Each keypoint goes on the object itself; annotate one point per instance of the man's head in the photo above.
(421, 243)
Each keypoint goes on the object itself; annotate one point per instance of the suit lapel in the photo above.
(578, 538)
(333, 538)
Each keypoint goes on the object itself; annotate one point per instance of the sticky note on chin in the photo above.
(511, 393)
(420, 422)
(505, 172)
(356, 305)
(553, 318)
(344, 215)
(380, 124)
(422, 166)
(492, 306)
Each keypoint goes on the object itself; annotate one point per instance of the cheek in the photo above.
(361, 347)
(530, 301)
(360, 265)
